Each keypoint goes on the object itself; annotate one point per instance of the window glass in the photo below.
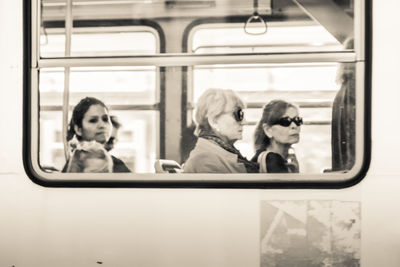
(118, 85)
(259, 84)
(258, 79)
(136, 145)
(111, 41)
(130, 93)
(281, 37)
(150, 61)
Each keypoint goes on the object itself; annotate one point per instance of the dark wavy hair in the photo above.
(272, 112)
(79, 112)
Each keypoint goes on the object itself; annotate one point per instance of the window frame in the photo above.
(308, 57)
(363, 29)
(362, 63)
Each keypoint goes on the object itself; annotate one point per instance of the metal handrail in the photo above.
(68, 30)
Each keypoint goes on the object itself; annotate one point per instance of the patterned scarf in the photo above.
(251, 167)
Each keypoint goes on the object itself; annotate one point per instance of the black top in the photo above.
(275, 162)
(118, 165)
(343, 126)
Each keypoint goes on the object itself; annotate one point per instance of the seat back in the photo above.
(167, 166)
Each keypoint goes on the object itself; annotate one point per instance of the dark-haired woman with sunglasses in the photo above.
(219, 124)
(276, 132)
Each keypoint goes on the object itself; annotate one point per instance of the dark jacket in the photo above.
(343, 127)
(275, 163)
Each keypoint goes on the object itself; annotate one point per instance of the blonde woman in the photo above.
(219, 124)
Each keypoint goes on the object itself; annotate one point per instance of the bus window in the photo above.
(258, 84)
(130, 92)
(150, 61)
(324, 90)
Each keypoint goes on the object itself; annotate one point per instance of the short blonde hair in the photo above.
(212, 103)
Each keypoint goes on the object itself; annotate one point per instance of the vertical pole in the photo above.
(68, 30)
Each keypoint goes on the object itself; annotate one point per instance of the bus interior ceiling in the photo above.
(337, 21)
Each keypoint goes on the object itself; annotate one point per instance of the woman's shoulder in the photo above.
(272, 156)
(119, 165)
(209, 147)
(212, 161)
(201, 156)
(205, 145)
(276, 163)
(270, 162)
(268, 155)
(255, 157)
(64, 169)
(206, 163)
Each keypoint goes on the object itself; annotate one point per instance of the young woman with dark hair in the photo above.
(276, 132)
(91, 122)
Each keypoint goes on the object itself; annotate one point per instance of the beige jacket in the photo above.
(208, 157)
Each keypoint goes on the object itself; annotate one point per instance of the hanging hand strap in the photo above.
(255, 20)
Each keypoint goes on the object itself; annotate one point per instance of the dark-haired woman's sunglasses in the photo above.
(238, 114)
(286, 121)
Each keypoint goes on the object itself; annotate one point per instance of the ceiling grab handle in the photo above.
(68, 29)
(255, 24)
